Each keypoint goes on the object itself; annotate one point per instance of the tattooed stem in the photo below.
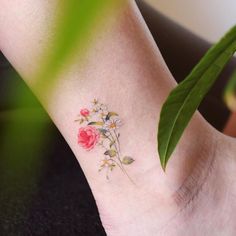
(118, 141)
(101, 123)
(123, 169)
(118, 156)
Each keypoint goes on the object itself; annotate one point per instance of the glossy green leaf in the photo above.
(184, 100)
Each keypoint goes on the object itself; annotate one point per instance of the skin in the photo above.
(230, 128)
(124, 69)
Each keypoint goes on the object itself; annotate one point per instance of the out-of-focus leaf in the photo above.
(76, 24)
(24, 141)
(230, 93)
(25, 115)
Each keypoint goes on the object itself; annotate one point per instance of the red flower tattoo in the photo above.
(88, 137)
(84, 112)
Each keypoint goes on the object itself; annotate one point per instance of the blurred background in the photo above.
(209, 19)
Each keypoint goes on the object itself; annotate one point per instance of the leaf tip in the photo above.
(163, 165)
(163, 160)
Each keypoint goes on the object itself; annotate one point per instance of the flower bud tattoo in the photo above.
(100, 127)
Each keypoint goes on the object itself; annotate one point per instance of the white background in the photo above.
(208, 18)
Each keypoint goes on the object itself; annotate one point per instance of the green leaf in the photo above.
(112, 143)
(127, 160)
(112, 166)
(103, 132)
(96, 123)
(230, 93)
(110, 114)
(184, 100)
(110, 153)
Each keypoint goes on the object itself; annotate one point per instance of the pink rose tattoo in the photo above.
(84, 112)
(88, 137)
(101, 128)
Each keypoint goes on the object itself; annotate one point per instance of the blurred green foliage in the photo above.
(25, 130)
(76, 24)
(230, 93)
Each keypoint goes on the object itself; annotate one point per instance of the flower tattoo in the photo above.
(101, 128)
(88, 137)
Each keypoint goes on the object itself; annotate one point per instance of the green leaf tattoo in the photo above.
(127, 160)
(110, 153)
